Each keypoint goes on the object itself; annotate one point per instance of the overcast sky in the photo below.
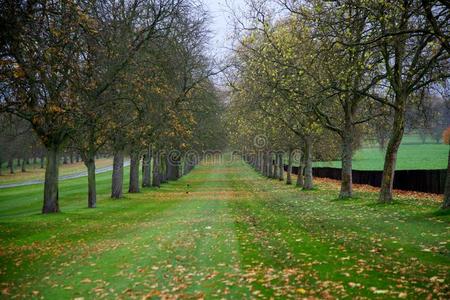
(222, 22)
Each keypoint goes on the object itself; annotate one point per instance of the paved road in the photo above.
(64, 177)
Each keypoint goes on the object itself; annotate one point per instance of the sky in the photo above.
(221, 23)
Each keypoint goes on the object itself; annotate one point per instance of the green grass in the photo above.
(412, 155)
(223, 231)
(34, 172)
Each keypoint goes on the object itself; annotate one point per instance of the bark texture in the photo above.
(300, 176)
(261, 161)
(308, 184)
(51, 194)
(134, 172)
(265, 163)
(163, 170)
(347, 154)
(24, 168)
(289, 168)
(92, 191)
(390, 160)
(276, 169)
(270, 159)
(280, 167)
(156, 177)
(446, 202)
(173, 168)
(11, 166)
(186, 167)
(146, 168)
(117, 175)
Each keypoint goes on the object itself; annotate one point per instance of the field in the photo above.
(412, 155)
(223, 231)
(34, 172)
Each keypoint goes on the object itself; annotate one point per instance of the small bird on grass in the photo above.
(188, 186)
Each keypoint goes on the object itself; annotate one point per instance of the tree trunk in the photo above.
(34, 160)
(170, 171)
(186, 167)
(146, 168)
(92, 192)
(289, 168)
(144, 158)
(260, 162)
(446, 202)
(189, 164)
(134, 172)
(42, 161)
(390, 160)
(280, 167)
(300, 178)
(117, 175)
(270, 158)
(275, 166)
(175, 168)
(11, 166)
(265, 163)
(64, 159)
(51, 194)
(24, 168)
(71, 157)
(346, 158)
(308, 185)
(163, 169)
(1, 164)
(77, 158)
(156, 178)
(18, 162)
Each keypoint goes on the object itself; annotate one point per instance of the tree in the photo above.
(39, 54)
(119, 31)
(446, 201)
(411, 63)
(342, 66)
(274, 56)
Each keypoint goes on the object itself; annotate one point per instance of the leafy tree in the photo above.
(39, 53)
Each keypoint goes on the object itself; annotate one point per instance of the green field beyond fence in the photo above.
(412, 155)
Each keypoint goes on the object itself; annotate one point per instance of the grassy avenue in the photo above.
(222, 231)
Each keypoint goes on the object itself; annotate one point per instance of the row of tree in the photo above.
(324, 75)
(21, 148)
(125, 77)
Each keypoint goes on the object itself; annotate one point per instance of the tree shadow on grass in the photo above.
(394, 203)
(440, 213)
(347, 199)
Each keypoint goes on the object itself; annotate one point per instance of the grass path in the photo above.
(222, 231)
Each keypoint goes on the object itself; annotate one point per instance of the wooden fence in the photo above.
(428, 181)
